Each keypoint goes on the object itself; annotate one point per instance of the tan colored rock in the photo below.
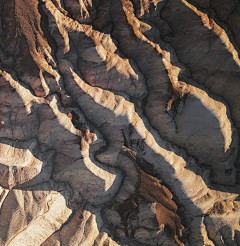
(99, 60)
(119, 122)
(38, 210)
(22, 162)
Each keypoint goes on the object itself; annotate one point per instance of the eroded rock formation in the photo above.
(119, 122)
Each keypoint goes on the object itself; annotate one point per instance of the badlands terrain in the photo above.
(119, 122)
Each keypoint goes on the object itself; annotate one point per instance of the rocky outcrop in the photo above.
(119, 122)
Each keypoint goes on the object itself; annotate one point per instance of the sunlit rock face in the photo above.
(119, 122)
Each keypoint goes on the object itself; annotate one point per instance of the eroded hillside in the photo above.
(119, 122)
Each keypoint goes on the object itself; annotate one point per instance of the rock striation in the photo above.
(119, 122)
